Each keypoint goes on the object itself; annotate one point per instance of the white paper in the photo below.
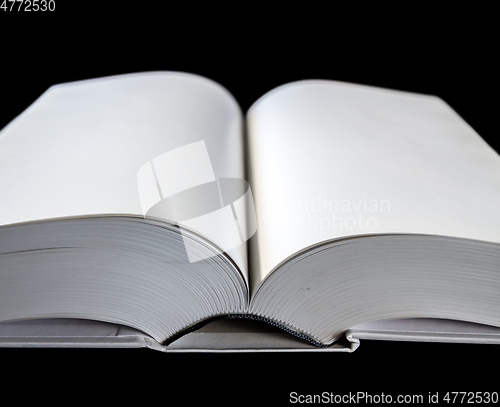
(86, 148)
(332, 159)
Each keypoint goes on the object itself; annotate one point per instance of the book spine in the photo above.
(277, 325)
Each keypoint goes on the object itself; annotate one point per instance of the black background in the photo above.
(452, 56)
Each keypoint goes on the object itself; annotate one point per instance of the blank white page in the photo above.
(331, 159)
(78, 149)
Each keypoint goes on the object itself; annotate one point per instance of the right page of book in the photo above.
(330, 160)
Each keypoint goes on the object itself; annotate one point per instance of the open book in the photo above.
(151, 203)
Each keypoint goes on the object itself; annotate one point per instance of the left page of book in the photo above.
(120, 145)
